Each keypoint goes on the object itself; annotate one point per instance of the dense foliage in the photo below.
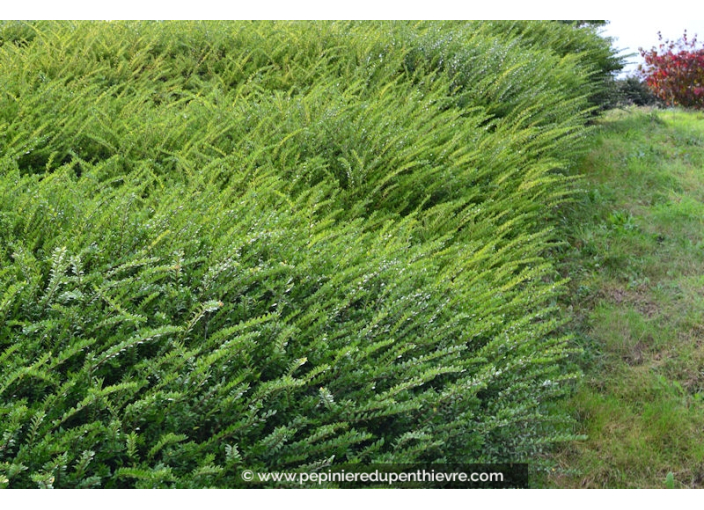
(278, 245)
(632, 90)
(674, 71)
(575, 39)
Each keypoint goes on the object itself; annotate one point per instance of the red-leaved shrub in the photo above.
(674, 71)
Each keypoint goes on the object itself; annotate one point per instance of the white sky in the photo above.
(357, 9)
(634, 33)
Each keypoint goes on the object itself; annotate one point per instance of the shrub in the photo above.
(674, 71)
(277, 245)
(634, 91)
(572, 39)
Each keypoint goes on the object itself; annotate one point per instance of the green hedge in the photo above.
(277, 245)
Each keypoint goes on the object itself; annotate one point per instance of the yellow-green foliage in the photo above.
(275, 245)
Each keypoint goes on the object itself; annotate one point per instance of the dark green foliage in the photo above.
(633, 91)
(277, 245)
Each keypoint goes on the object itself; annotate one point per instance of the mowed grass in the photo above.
(636, 262)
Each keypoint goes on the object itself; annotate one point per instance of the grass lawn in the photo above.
(635, 257)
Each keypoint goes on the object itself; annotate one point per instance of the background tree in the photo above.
(674, 71)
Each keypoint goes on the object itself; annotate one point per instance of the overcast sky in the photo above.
(632, 34)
